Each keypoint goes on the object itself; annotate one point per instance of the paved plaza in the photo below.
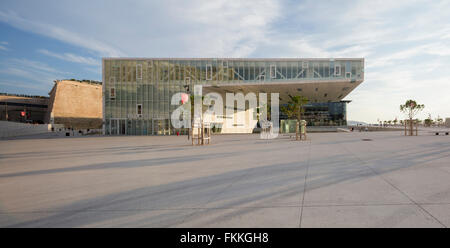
(359, 179)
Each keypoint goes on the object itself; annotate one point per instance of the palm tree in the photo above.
(411, 109)
(294, 109)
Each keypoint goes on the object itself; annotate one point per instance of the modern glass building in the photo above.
(137, 91)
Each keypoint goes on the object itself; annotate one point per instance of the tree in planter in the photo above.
(411, 109)
(192, 106)
(295, 109)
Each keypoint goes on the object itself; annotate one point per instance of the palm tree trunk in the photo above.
(299, 122)
(298, 133)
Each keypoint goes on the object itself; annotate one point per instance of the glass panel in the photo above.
(139, 71)
(273, 69)
(139, 109)
(113, 127)
(209, 72)
(139, 91)
(112, 93)
(337, 70)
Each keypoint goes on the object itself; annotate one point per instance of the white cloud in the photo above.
(18, 84)
(225, 28)
(94, 70)
(3, 45)
(31, 71)
(305, 48)
(184, 28)
(58, 33)
(32, 65)
(71, 57)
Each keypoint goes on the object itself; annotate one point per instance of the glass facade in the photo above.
(326, 114)
(323, 114)
(137, 92)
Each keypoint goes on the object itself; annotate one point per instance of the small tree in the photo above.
(411, 109)
(295, 109)
(192, 105)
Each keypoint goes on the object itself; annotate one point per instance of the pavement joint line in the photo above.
(304, 185)
(440, 169)
(434, 203)
(206, 208)
(397, 153)
(215, 196)
(140, 210)
(359, 205)
(393, 186)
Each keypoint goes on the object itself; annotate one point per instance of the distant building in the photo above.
(23, 108)
(75, 104)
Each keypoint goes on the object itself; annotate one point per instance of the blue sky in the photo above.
(406, 44)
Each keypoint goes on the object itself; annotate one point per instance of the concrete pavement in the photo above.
(368, 179)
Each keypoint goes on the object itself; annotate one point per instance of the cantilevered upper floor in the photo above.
(321, 80)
